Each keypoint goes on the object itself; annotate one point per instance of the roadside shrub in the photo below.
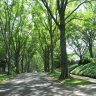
(77, 70)
(88, 61)
(88, 70)
(72, 67)
(84, 68)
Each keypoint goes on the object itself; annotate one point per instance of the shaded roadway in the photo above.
(40, 84)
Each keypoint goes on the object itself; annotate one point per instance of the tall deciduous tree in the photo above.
(61, 7)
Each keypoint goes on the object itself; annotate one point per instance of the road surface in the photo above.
(40, 84)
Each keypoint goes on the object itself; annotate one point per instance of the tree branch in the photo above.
(73, 19)
(48, 9)
(76, 9)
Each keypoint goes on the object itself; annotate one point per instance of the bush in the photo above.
(77, 70)
(72, 67)
(88, 70)
(88, 60)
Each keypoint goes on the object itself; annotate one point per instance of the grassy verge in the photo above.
(55, 74)
(70, 80)
(75, 81)
(4, 77)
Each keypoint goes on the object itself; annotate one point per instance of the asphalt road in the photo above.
(39, 84)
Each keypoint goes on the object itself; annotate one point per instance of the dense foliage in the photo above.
(88, 70)
(37, 35)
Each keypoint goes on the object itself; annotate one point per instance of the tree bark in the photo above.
(9, 66)
(46, 59)
(52, 61)
(17, 55)
(90, 50)
(80, 61)
(22, 65)
(8, 61)
(64, 66)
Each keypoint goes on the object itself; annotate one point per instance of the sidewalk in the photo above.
(84, 78)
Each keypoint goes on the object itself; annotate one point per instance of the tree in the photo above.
(15, 28)
(89, 35)
(61, 7)
(79, 46)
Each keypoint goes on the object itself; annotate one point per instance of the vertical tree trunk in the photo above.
(22, 65)
(28, 67)
(46, 59)
(51, 48)
(51, 41)
(64, 65)
(28, 63)
(80, 61)
(9, 66)
(8, 61)
(52, 61)
(17, 61)
(17, 65)
(25, 67)
(90, 50)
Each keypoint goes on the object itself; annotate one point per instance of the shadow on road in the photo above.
(39, 84)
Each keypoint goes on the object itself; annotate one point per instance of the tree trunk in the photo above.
(28, 67)
(51, 32)
(9, 62)
(17, 61)
(90, 50)
(64, 65)
(28, 63)
(52, 61)
(17, 66)
(22, 65)
(46, 59)
(45, 66)
(80, 61)
(9, 66)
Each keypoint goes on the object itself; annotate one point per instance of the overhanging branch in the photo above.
(48, 9)
(76, 9)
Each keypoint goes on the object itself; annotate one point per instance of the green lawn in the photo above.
(75, 81)
(71, 80)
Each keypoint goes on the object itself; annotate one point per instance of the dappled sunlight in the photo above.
(39, 84)
(85, 90)
(32, 84)
(17, 82)
(42, 85)
(3, 90)
(80, 93)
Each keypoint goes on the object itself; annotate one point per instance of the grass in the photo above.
(75, 81)
(70, 80)
(4, 77)
(55, 74)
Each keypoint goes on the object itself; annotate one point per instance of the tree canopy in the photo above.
(36, 35)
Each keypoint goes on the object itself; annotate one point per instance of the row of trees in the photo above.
(38, 32)
(65, 14)
(16, 35)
